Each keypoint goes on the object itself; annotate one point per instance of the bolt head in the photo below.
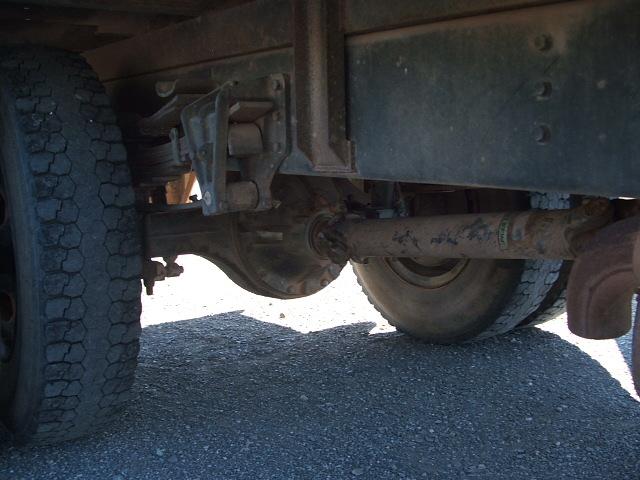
(543, 134)
(543, 43)
(166, 88)
(543, 90)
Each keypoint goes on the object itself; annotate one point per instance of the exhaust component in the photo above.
(603, 280)
(534, 234)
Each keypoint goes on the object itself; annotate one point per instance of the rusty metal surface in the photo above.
(242, 196)
(517, 235)
(158, 164)
(371, 15)
(319, 70)
(81, 25)
(268, 24)
(266, 253)
(242, 30)
(169, 7)
(161, 122)
(75, 29)
(189, 232)
(603, 280)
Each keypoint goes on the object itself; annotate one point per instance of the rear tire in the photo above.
(483, 299)
(555, 301)
(75, 249)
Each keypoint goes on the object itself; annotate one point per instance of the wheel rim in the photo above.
(427, 272)
(8, 310)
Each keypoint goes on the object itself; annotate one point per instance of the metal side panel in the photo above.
(541, 99)
(372, 15)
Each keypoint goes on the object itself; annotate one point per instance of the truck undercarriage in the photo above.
(475, 161)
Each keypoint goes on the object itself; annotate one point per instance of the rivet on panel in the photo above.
(543, 43)
(543, 134)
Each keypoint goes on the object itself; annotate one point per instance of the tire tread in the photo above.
(88, 241)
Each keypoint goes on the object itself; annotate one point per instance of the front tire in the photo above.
(73, 249)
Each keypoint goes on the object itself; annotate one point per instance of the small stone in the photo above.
(160, 452)
(304, 398)
(282, 315)
(357, 472)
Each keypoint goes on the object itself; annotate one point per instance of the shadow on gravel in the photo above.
(231, 397)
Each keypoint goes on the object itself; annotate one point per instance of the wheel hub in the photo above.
(427, 272)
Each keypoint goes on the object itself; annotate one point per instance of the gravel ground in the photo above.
(231, 385)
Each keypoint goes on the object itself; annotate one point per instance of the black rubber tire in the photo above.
(77, 248)
(555, 300)
(489, 297)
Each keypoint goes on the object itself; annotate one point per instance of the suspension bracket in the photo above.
(240, 126)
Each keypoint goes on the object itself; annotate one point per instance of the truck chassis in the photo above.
(474, 160)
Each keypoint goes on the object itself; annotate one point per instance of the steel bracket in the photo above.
(246, 122)
(320, 85)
